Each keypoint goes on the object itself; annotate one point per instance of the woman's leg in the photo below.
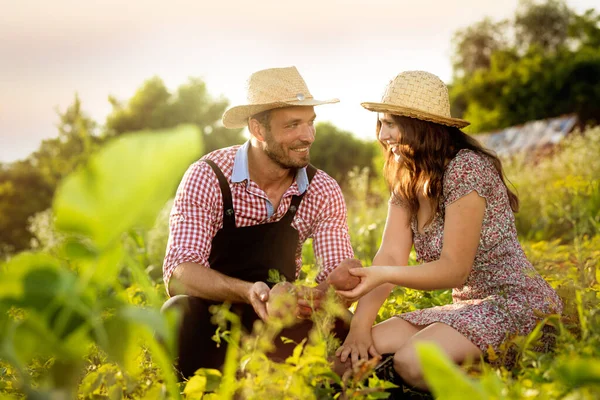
(390, 335)
(456, 346)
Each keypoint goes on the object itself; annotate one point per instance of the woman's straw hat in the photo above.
(420, 95)
(269, 89)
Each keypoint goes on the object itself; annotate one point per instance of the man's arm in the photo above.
(331, 241)
(209, 284)
(199, 281)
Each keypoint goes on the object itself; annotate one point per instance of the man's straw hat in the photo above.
(420, 95)
(269, 89)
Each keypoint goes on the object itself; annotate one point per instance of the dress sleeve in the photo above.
(467, 172)
(396, 200)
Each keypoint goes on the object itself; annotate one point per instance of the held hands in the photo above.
(370, 278)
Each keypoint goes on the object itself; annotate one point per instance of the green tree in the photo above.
(474, 45)
(545, 25)
(585, 29)
(552, 69)
(154, 107)
(76, 141)
(27, 187)
(337, 152)
(24, 191)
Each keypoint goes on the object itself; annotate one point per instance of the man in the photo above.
(244, 210)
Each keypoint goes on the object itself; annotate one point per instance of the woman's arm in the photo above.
(462, 230)
(395, 248)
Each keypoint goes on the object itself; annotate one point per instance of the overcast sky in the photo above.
(343, 48)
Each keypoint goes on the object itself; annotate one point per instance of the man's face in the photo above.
(290, 136)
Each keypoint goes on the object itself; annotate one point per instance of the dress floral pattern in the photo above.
(503, 295)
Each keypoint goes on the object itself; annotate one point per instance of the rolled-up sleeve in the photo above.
(192, 222)
(331, 240)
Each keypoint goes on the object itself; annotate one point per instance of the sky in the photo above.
(349, 49)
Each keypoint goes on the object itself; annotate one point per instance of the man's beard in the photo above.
(276, 153)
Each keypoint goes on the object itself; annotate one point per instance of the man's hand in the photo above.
(257, 297)
(309, 299)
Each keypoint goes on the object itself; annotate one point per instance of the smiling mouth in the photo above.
(301, 150)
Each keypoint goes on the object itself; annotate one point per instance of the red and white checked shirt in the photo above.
(197, 214)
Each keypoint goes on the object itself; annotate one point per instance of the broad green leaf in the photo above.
(115, 393)
(90, 383)
(125, 184)
(105, 268)
(213, 378)
(196, 386)
(444, 378)
(579, 372)
(14, 272)
(151, 318)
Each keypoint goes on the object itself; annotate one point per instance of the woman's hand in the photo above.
(357, 346)
(370, 278)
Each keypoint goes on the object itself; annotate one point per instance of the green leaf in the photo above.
(125, 184)
(196, 386)
(213, 378)
(579, 372)
(151, 318)
(90, 383)
(115, 393)
(444, 378)
(13, 276)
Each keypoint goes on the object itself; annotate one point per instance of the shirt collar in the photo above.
(241, 172)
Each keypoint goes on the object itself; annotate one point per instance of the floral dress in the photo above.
(503, 295)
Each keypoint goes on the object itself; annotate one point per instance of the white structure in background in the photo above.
(532, 136)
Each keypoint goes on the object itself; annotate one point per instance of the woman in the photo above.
(449, 199)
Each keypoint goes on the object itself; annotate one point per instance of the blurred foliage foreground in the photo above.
(80, 316)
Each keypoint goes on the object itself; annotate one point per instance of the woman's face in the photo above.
(389, 133)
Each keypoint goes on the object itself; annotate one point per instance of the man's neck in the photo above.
(266, 173)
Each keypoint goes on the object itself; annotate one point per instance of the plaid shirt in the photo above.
(197, 212)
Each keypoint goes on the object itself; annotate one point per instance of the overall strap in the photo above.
(296, 200)
(228, 212)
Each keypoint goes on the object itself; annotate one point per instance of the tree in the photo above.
(537, 86)
(474, 46)
(154, 107)
(27, 187)
(552, 68)
(585, 29)
(76, 140)
(545, 25)
(337, 152)
(24, 191)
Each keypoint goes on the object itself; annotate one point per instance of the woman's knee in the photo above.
(391, 335)
(406, 364)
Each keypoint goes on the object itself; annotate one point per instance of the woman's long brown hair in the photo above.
(426, 149)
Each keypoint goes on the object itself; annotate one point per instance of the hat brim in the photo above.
(237, 117)
(414, 113)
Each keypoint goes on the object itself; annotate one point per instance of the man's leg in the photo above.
(299, 332)
(195, 347)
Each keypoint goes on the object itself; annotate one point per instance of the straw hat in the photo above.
(420, 95)
(269, 89)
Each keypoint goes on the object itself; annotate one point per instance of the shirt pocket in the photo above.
(302, 225)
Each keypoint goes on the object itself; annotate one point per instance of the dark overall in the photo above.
(246, 253)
